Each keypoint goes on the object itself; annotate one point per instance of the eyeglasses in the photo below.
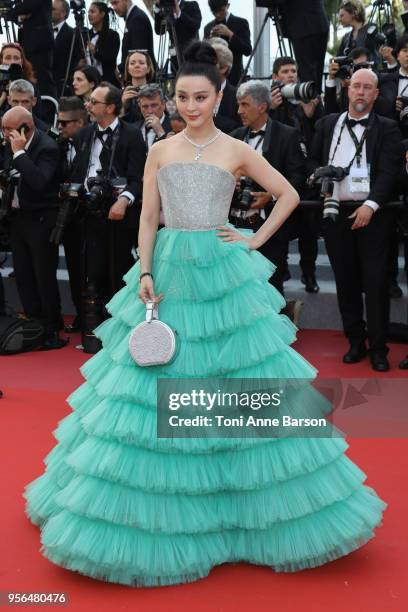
(93, 102)
(64, 122)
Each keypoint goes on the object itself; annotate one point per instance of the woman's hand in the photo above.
(146, 292)
(128, 94)
(227, 234)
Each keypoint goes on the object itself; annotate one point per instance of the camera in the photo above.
(376, 38)
(243, 196)
(8, 73)
(326, 177)
(9, 179)
(346, 66)
(404, 112)
(166, 5)
(101, 194)
(301, 92)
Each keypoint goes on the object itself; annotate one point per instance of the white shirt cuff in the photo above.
(18, 153)
(127, 194)
(372, 204)
(330, 82)
(390, 66)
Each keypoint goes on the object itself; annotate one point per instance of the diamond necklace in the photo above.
(200, 147)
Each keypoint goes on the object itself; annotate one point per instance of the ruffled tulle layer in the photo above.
(120, 504)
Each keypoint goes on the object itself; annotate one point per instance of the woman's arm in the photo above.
(256, 167)
(149, 221)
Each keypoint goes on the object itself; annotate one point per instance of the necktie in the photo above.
(353, 122)
(105, 136)
(253, 134)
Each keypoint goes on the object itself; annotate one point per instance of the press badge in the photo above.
(359, 180)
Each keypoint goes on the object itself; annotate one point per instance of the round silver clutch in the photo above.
(152, 342)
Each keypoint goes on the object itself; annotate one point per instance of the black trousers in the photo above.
(360, 262)
(310, 52)
(108, 247)
(35, 262)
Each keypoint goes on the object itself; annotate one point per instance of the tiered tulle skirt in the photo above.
(119, 504)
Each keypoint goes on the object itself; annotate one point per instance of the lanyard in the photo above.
(358, 144)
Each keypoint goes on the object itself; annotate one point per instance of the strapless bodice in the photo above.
(194, 195)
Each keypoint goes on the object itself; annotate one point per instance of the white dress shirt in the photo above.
(343, 156)
(151, 134)
(57, 28)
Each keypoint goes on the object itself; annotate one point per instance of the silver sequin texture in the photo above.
(195, 196)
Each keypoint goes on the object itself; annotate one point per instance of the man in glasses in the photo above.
(109, 148)
(72, 117)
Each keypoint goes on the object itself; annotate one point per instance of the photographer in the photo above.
(36, 38)
(352, 14)
(307, 27)
(360, 150)
(341, 69)
(138, 32)
(32, 215)
(155, 123)
(227, 118)
(280, 145)
(107, 150)
(139, 71)
(394, 86)
(63, 34)
(186, 17)
(104, 42)
(234, 30)
(72, 117)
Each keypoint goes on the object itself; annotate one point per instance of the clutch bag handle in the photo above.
(152, 311)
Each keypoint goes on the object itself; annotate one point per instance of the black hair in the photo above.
(108, 14)
(200, 59)
(70, 103)
(216, 5)
(402, 42)
(90, 72)
(358, 52)
(282, 61)
(114, 96)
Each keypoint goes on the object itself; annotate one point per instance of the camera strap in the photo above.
(359, 144)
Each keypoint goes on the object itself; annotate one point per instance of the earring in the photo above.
(216, 108)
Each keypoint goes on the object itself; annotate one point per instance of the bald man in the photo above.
(368, 146)
(33, 215)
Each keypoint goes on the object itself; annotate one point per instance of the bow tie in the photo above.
(56, 30)
(106, 132)
(402, 76)
(223, 22)
(253, 134)
(353, 122)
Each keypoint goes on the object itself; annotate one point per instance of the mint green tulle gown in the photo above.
(119, 504)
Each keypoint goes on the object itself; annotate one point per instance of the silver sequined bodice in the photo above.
(194, 195)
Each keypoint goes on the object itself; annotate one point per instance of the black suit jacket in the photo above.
(138, 34)
(187, 26)
(240, 43)
(302, 18)
(38, 186)
(62, 50)
(227, 118)
(382, 106)
(383, 147)
(106, 53)
(129, 160)
(281, 147)
(36, 32)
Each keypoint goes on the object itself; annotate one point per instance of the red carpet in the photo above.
(372, 579)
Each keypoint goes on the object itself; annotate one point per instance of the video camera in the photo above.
(385, 36)
(301, 92)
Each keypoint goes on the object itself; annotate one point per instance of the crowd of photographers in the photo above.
(79, 180)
